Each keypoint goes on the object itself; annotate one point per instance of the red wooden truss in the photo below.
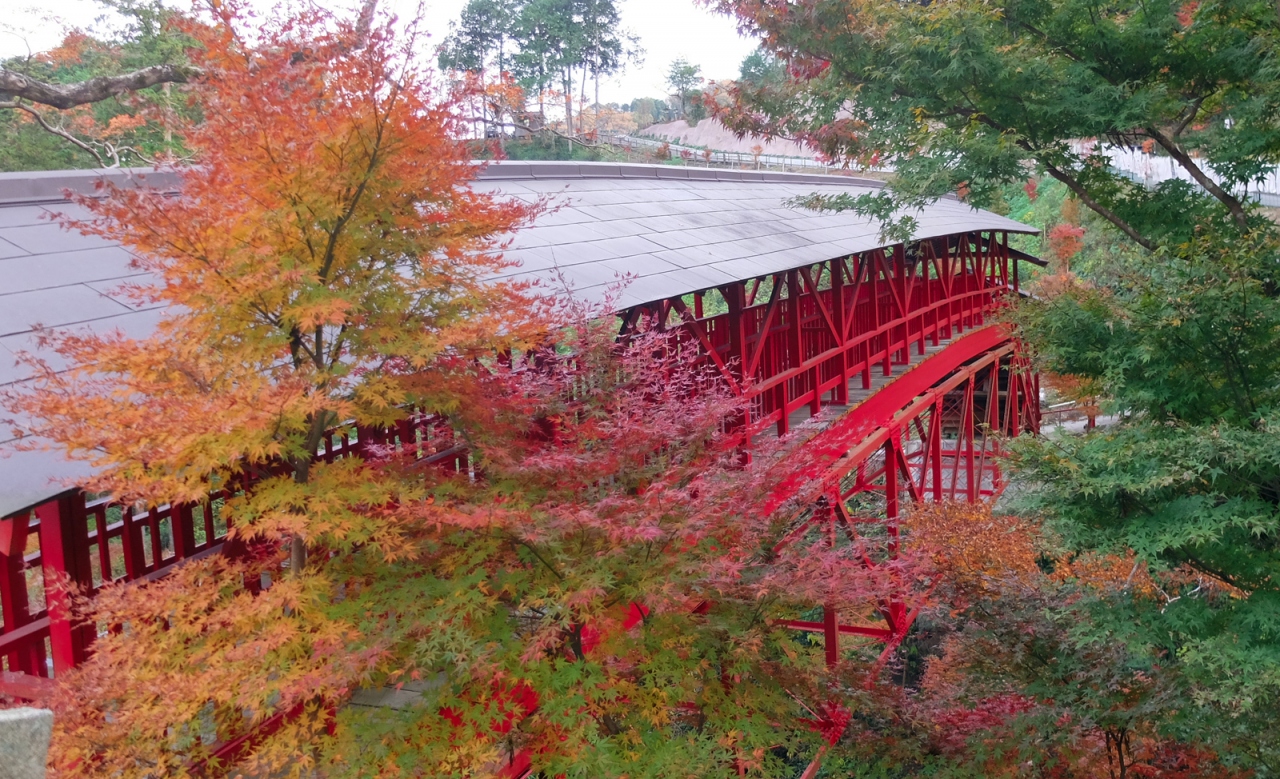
(834, 335)
(942, 443)
(91, 541)
(808, 337)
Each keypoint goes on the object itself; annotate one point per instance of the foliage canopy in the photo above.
(589, 590)
(963, 96)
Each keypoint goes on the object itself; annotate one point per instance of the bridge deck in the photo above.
(804, 423)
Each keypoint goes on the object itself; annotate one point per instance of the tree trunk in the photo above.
(568, 103)
(297, 556)
(301, 475)
(297, 545)
(502, 127)
(484, 108)
(168, 128)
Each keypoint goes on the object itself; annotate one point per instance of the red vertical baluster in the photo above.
(104, 543)
(157, 549)
(182, 523)
(135, 563)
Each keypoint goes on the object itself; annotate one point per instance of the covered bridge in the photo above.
(801, 311)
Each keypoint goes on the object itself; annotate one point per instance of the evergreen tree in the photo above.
(116, 128)
(683, 77)
(551, 45)
(481, 38)
(1187, 352)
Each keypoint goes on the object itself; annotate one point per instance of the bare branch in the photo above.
(558, 134)
(94, 90)
(58, 131)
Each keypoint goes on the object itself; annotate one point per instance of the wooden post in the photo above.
(61, 557)
(795, 346)
(13, 586)
(735, 297)
(839, 314)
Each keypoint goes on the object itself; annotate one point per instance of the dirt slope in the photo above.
(711, 134)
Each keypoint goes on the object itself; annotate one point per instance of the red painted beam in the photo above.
(25, 686)
(882, 634)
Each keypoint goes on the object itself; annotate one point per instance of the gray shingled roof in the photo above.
(673, 230)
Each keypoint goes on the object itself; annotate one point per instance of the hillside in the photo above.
(711, 134)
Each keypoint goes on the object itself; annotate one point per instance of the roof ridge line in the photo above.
(49, 187)
(515, 170)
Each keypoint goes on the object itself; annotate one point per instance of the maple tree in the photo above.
(587, 592)
(1037, 661)
(965, 96)
(1183, 352)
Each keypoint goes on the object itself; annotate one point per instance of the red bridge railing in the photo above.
(797, 338)
(93, 542)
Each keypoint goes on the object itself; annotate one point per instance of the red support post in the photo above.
(967, 434)
(13, 586)
(897, 609)
(735, 297)
(935, 449)
(866, 269)
(839, 315)
(898, 267)
(61, 554)
(794, 348)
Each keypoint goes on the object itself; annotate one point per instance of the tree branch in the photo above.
(1100, 209)
(558, 134)
(1192, 112)
(58, 131)
(94, 90)
(1226, 198)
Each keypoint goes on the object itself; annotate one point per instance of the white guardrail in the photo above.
(1147, 169)
(1152, 169)
(693, 154)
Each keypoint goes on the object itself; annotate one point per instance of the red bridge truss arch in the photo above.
(840, 337)
(884, 364)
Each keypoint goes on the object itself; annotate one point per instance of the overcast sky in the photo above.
(667, 29)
